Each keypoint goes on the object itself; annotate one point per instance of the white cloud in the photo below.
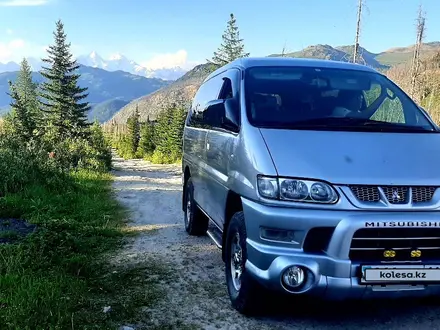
(168, 60)
(16, 49)
(11, 50)
(22, 3)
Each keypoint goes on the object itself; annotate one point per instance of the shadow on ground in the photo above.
(397, 314)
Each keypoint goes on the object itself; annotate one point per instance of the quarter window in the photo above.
(208, 91)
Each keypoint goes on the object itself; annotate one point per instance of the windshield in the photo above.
(331, 99)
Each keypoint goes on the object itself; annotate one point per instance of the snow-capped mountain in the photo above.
(120, 62)
(93, 60)
(116, 62)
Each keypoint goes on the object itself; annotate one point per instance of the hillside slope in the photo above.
(383, 60)
(401, 55)
(105, 110)
(103, 86)
(341, 53)
(179, 93)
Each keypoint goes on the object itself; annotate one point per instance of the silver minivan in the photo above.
(315, 178)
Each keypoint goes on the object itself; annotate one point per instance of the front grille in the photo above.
(423, 194)
(366, 193)
(393, 194)
(369, 244)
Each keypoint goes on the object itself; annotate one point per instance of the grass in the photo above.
(58, 277)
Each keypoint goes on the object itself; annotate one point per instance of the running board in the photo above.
(215, 234)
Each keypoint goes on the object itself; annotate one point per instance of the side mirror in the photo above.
(230, 118)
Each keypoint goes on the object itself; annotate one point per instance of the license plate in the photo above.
(400, 274)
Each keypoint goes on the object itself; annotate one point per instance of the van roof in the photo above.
(248, 62)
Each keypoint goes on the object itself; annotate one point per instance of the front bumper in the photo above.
(333, 275)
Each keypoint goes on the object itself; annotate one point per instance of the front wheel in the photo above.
(242, 288)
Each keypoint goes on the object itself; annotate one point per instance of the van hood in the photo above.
(356, 157)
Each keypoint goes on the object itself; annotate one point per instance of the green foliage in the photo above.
(146, 143)
(232, 46)
(23, 164)
(159, 157)
(53, 175)
(133, 131)
(123, 145)
(66, 115)
(25, 114)
(53, 277)
(169, 134)
(101, 145)
(160, 142)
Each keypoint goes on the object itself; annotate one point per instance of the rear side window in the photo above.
(208, 91)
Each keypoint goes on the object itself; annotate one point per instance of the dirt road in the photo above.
(196, 297)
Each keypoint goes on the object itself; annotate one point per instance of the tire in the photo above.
(196, 223)
(243, 298)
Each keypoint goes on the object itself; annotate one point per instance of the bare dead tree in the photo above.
(358, 29)
(415, 66)
(283, 52)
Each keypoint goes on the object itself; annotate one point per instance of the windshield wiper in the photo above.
(350, 122)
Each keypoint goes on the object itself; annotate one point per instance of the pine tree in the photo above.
(232, 46)
(163, 132)
(25, 112)
(176, 131)
(146, 142)
(66, 114)
(133, 126)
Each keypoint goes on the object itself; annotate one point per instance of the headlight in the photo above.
(268, 187)
(297, 190)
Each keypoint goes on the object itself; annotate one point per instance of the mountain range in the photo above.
(182, 91)
(117, 85)
(380, 61)
(179, 93)
(116, 62)
(108, 91)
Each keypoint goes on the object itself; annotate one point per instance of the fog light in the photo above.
(280, 235)
(293, 277)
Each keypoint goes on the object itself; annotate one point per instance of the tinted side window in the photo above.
(226, 92)
(231, 88)
(208, 91)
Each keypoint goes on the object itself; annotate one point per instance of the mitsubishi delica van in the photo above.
(315, 178)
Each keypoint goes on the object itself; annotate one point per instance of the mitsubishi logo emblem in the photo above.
(396, 196)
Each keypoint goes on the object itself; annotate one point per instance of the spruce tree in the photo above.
(146, 142)
(163, 139)
(176, 131)
(133, 126)
(62, 96)
(25, 112)
(232, 46)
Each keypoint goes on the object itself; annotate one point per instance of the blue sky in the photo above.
(156, 32)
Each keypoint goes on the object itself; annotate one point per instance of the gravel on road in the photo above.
(196, 296)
